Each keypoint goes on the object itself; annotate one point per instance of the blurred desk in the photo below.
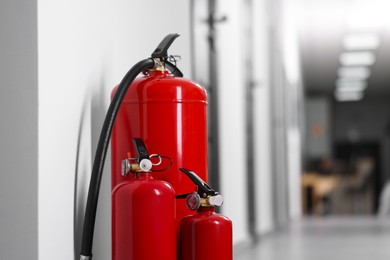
(315, 190)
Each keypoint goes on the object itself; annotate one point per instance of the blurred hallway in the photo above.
(298, 118)
(335, 238)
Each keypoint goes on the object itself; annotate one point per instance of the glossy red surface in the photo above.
(169, 114)
(143, 220)
(206, 236)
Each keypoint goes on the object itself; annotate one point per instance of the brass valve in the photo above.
(205, 197)
(145, 165)
(194, 201)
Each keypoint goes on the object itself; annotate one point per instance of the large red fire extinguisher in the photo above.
(167, 114)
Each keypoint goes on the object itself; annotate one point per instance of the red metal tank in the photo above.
(169, 114)
(138, 232)
(206, 236)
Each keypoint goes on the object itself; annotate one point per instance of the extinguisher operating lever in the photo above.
(205, 197)
(204, 189)
(161, 54)
(142, 152)
(144, 160)
(162, 49)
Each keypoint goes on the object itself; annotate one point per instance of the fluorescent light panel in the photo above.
(348, 96)
(366, 41)
(361, 58)
(368, 15)
(355, 73)
(346, 85)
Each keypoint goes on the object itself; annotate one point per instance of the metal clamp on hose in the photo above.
(83, 257)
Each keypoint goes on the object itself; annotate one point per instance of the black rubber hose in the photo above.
(101, 151)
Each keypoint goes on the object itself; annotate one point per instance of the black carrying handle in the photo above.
(140, 148)
(204, 189)
(161, 52)
(162, 49)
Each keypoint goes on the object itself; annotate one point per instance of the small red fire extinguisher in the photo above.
(205, 235)
(143, 210)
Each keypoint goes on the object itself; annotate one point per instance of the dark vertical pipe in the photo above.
(279, 124)
(192, 38)
(272, 96)
(213, 122)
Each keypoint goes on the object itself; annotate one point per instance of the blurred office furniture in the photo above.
(384, 202)
(355, 193)
(336, 192)
(316, 190)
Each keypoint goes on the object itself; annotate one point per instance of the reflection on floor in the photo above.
(355, 238)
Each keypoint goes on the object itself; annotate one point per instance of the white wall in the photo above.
(231, 112)
(262, 118)
(85, 48)
(18, 130)
(286, 94)
(232, 100)
(294, 98)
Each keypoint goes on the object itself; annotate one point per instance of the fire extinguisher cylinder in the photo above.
(143, 214)
(170, 114)
(138, 231)
(205, 235)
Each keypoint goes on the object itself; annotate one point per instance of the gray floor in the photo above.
(344, 238)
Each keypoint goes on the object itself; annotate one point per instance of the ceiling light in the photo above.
(348, 96)
(354, 73)
(346, 85)
(362, 58)
(366, 41)
(368, 15)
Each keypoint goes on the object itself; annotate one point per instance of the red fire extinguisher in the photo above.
(169, 113)
(143, 211)
(166, 113)
(205, 235)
